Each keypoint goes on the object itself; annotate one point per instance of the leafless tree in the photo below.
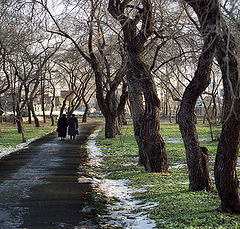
(226, 179)
(96, 51)
(135, 19)
(208, 16)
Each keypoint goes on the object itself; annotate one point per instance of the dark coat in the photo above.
(73, 126)
(62, 127)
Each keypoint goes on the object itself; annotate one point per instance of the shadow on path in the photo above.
(40, 186)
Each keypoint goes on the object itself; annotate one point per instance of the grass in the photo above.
(10, 138)
(178, 207)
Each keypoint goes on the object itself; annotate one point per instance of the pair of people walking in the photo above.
(71, 124)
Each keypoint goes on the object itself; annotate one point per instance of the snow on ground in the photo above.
(6, 152)
(121, 212)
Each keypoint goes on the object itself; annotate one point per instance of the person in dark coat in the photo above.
(72, 127)
(62, 127)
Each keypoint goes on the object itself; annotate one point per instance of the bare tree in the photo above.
(208, 16)
(228, 147)
(136, 24)
(107, 77)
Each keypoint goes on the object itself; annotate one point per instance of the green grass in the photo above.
(10, 138)
(178, 207)
(172, 136)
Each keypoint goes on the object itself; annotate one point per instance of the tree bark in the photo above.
(43, 107)
(151, 145)
(110, 126)
(228, 147)
(1, 111)
(85, 115)
(19, 119)
(208, 15)
(29, 114)
(36, 121)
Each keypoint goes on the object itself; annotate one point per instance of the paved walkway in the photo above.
(40, 187)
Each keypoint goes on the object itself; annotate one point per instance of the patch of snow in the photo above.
(238, 161)
(84, 180)
(94, 152)
(121, 213)
(177, 166)
(19, 147)
(180, 140)
(5, 153)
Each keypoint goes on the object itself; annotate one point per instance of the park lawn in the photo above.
(10, 138)
(178, 207)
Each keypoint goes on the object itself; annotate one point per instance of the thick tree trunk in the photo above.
(152, 147)
(146, 121)
(110, 126)
(225, 166)
(228, 147)
(135, 96)
(152, 153)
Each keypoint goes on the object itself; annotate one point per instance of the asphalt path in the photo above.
(40, 185)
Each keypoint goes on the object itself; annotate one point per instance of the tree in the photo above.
(78, 76)
(227, 152)
(208, 16)
(108, 77)
(5, 83)
(228, 147)
(136, 24)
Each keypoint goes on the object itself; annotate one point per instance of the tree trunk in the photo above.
(110, 126)
(84, 118)
(228, 147)
(1, 112)
(43, 110)
(51, 113)
(152, 153)
(152, 147)
(122, 119)
(29, 114)
(19, 120)
(225, 166)
(135, 96)
(205, 165)
(201, 80)
(31, 110)
(208, 16)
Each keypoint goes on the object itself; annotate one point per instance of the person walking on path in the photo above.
(73, 127)
(62, 127)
